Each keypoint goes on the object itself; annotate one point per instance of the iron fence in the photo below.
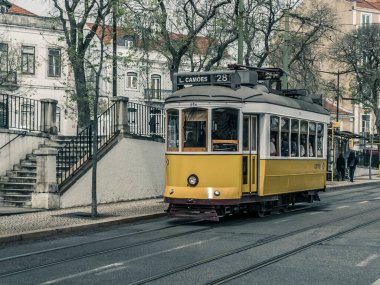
(78, 151)
(144, 120)
(20, 113)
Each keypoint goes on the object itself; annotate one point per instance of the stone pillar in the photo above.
(46, 194)
(48, 116)
(121, 116)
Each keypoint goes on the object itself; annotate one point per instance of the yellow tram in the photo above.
(235, 144)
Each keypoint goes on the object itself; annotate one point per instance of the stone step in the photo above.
(22, 173)
(16, 197)
(17, 190)
(25, 167)
(21, 179)
(24, 185)
(16, 203)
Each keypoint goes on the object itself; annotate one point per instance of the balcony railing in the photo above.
(20, 113)
(156, 94)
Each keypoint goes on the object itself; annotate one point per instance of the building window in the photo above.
(127, 41)
(3, 58)
(27, 60)
(54, 63)
(132, 80)
(155, 86)
(365, 125)
(366, 19)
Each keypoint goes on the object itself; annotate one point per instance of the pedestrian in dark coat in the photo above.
(341, 166)
(352, 162)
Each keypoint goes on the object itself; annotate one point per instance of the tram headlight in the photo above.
(193, 180)
(217, 193)
(171, 191)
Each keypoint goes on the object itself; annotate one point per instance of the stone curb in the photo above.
(343, 187)
(75, 228)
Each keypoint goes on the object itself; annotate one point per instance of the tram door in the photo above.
(250, 153)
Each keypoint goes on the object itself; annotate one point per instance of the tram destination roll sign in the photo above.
(230, 78)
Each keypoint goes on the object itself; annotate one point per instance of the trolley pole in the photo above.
(285, 59)
(240, 26)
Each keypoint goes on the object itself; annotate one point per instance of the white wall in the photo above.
(17, 149)
(133, 169)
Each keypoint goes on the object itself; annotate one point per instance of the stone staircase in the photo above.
(17, 186)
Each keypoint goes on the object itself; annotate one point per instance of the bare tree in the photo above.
(359, 51)
(73, 16)
(310, 28)
(193, 31)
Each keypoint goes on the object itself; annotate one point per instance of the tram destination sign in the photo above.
(229, 77)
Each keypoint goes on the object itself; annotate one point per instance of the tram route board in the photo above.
(230, 78)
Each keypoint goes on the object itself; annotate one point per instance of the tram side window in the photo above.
(284, 137)
(312, 138)
(173, 130)
(245, 133)
(320, 132)
(194, 129)
(274, 136)
(294, 141)
(225, 129)
(303, 139)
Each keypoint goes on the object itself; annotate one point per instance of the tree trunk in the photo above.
(81, 96)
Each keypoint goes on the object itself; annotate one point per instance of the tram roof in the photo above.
(257, 94)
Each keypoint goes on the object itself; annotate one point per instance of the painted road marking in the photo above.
(377, 198)
(95, 270)
(377, 282)
(281, 221)
(363, 202)
(366, 261)
(342, 207)
(122, 265)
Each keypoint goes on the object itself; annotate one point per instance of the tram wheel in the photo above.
(262, 214)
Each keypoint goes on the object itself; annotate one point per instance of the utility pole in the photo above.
(240, 26)
(285, 59)
(114, 49)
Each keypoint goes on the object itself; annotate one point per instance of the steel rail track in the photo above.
(294, 211)
(64, 260)
(92, 242)
(244, 248)
(142, 232)
(287, 254)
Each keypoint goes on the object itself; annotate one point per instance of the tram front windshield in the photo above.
(195, 129)
(225, 129)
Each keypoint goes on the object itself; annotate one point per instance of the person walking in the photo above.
(352, 162)
(341, 166)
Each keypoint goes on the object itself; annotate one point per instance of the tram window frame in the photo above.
(274, 132)
(295, 131)
(201, 127)
(285, 129)
(219, 141)
(304, 135)
(320, 137)
(312, 139)
(169, 134)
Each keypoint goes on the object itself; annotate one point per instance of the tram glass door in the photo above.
(250, 153)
